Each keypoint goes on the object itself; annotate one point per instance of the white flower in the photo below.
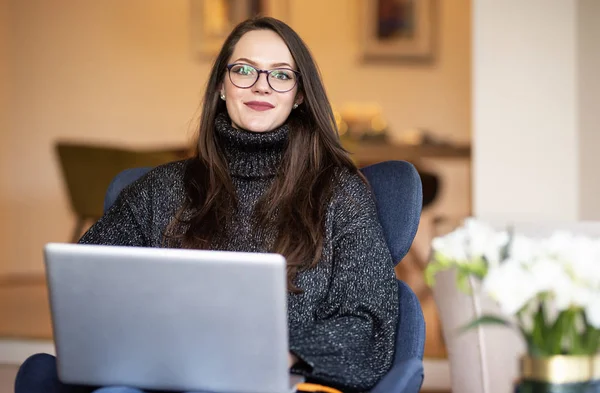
(548, 274)
(591, 267)
(567, 294)
(592, 310)
(524, 249)
(511, 285)
(471, 242)
(485, 241)
(565, 268)
(452, 246)
(578, 253)
(579, 258)
(560, 244)
(583, 260)
(553, 276)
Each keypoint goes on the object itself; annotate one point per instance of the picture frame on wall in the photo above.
(402, 30)
(211, 21)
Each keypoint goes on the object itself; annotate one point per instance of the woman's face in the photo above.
(259, 108)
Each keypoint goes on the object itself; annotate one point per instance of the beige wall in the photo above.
(589, 104)
(535, 109)
(4, 83)
(121, 71)
(435, 97)
(5, 127)
(86, 69)
(525, 110)
(4, 66)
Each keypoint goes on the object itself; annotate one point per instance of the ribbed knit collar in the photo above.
(251, 154)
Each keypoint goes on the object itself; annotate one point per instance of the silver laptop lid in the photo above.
(169, 319)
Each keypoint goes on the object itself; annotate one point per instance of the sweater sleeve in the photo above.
(351, 343)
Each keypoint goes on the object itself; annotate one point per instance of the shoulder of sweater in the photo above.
(351, 188)
(169, 173)
(164, 177)
(353, 202)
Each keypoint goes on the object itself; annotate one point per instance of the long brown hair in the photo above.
(299, 195)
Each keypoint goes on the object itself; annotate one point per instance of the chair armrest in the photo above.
(404, 377)
(410, 337)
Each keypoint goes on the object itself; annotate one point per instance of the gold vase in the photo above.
(556, 374)
(596, 367)
(595, 384)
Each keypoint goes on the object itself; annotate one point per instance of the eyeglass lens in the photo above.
(245, 76)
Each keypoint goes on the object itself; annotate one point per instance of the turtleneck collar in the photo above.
(251, 154)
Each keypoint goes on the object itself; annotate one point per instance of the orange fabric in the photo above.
(311, 387)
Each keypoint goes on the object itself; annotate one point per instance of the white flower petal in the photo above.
(510, 285)
(592, 311)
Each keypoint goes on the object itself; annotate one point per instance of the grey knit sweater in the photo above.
(343, 325)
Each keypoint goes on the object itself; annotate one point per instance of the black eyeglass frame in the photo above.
(267, 72)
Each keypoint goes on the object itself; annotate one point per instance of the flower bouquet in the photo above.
(548, 290)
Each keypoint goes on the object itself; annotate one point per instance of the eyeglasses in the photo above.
(245, 76)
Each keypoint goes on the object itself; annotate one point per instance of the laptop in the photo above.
(169, 319)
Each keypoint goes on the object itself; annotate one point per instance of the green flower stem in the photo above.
(590, 336)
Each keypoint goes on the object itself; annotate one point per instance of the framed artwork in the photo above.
(398, 29)
(211, 21)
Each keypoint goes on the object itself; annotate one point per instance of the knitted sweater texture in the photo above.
(343, 325)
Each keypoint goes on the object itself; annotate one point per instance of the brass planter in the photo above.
(556, 374)
(595, 384)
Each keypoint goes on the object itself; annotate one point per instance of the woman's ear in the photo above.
(299, 98)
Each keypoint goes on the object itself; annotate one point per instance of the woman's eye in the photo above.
(243, 70)
(281, 75)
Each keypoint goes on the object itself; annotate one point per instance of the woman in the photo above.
(269, 174)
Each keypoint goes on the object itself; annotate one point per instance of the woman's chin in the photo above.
(258, 126)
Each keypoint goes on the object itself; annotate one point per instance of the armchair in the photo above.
(398, 193)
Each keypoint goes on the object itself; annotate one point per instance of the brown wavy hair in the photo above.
(294, 207)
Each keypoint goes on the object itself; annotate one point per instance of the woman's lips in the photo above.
(259, 105)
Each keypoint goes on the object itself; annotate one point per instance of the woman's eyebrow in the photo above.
(274, 65)
(281, 65)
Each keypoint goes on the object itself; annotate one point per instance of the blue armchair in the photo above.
(398, 194)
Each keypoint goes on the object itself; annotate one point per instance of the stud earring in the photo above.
(295, 106)
(223, 96)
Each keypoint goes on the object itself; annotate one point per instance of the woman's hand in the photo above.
(293, 359)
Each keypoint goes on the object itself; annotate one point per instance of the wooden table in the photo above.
(372, 152)
(368, 153)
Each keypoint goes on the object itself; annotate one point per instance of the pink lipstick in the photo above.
(259, 105)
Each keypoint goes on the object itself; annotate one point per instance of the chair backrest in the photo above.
(485, 359)
(398, 196)
(395, 184)
(121, 181)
